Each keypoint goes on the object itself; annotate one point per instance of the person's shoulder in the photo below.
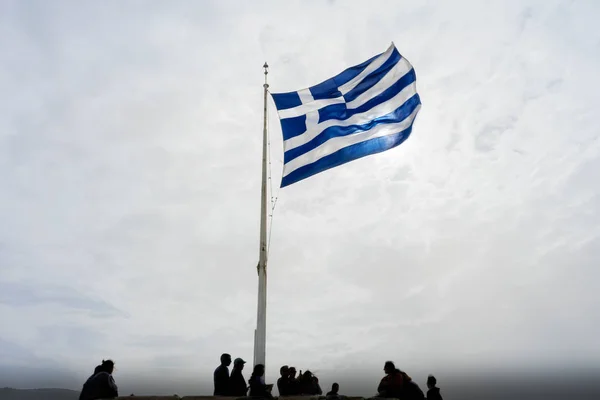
(101, 377)
(220, 369)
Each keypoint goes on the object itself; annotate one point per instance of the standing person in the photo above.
(258, 388)
(294, 385)
(434, 392)
(237, 383)
(283, 383)
(221, 376)
(101, 385)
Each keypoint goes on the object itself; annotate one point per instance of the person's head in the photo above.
(259, 370)
(307, 375)
(284, 370)
(225, 359)
(335, 388)
(292, 372)
(431, 381)
(389, 367)
(107, 366)
(238, 364)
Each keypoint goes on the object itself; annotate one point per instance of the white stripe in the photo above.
(305, 96)
(401, 68)
(312, 116)
(305, 108)
(338, 143)
(312, 119)
(313, 130)
(376, 63)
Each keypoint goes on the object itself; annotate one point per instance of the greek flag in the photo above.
(366, 109)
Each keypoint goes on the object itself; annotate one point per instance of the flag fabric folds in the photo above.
(366, 109)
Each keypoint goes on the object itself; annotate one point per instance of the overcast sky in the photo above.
(130, 155)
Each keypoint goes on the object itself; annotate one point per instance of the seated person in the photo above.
(434, 392)
(391, 384)
(411, 390)
(309, 384)
(101, 385)
(335, 389)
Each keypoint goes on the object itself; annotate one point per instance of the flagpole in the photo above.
(260, 334)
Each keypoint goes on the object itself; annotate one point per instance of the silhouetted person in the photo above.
(258, 388)
(309, 384)
(411, 390)
(434, 392)
(221, 376)
(300, 385)
(391, 384)
(316, 385)
(101, 385)
(283, 383)
(237, 383)
(335, 389)
(293, 384)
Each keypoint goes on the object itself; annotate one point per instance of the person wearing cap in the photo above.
(221, 376)
(237, 383)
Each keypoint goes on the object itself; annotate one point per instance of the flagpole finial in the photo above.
(266, 67)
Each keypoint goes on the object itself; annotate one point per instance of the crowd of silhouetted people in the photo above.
(305, 384)
(395, 384)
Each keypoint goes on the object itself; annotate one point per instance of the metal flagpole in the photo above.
(260, 334)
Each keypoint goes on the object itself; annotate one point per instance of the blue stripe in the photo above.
(334, 111)
(398, 115)
(325, 90)
(329, 89)
(291, 127)
(371, 80)
(350, 153)
(283, 101)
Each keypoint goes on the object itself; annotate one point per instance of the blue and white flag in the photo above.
(367, 109)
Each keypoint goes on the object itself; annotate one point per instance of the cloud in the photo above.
(17, 294)
(130, 143)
